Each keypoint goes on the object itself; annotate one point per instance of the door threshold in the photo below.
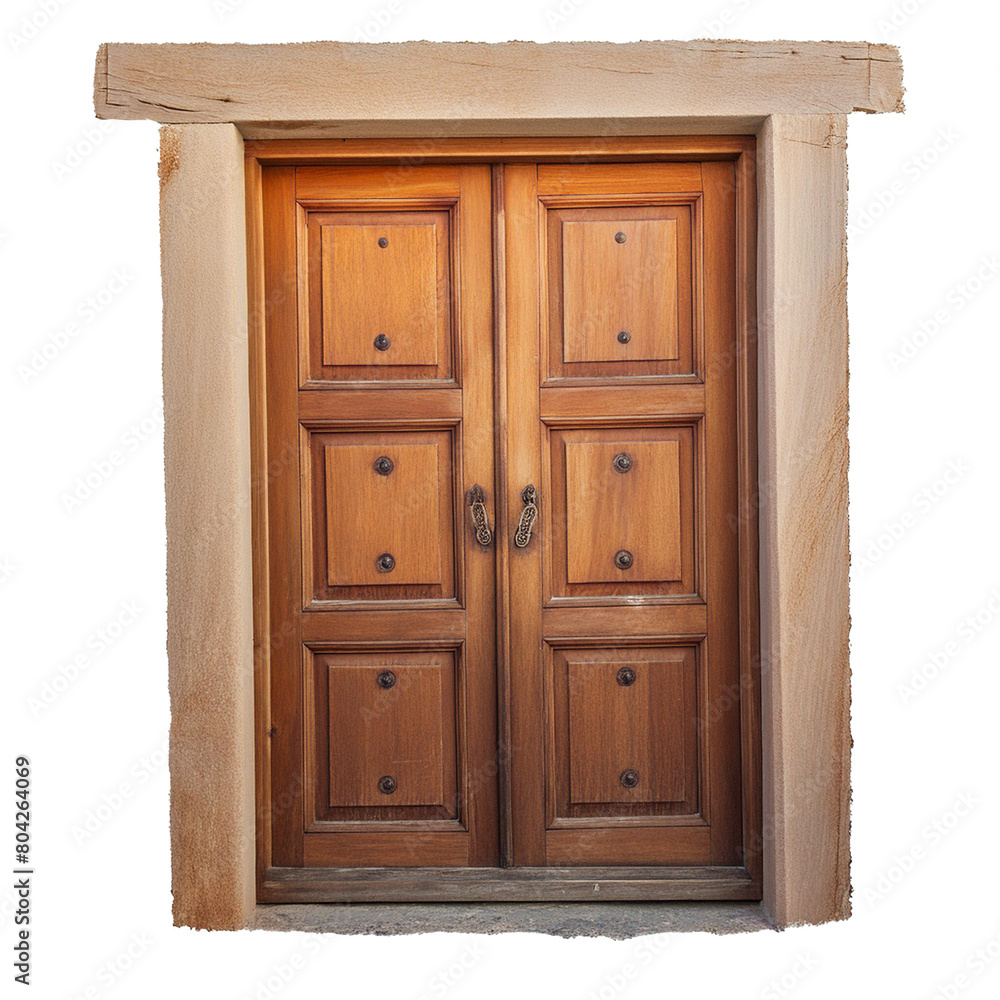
(508, 885)
(618, 921)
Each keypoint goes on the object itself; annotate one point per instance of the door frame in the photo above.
(549, 883)
(794, 97)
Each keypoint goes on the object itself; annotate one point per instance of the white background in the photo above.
(79, 244)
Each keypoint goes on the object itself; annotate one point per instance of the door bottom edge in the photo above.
(471, 885)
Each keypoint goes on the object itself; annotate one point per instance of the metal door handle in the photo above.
(476, 499)
(529, 497)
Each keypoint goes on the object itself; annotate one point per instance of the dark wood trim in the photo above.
(501, 512)
(429, 885)
(746, 414)
(258, 512)
(306, 152)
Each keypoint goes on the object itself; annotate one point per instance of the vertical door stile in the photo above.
(527, 704)
(499, 257)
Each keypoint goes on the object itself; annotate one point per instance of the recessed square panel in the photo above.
(621, 291)
(385, 736)
(626, 732)
(378, 297)
(620, 281)
(386, 743)
(623, 497)
(382, 525)
(623, 511)
(379, 281)
(379, 506)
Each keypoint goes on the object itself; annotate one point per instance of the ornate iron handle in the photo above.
(529, 497)
(476, 499)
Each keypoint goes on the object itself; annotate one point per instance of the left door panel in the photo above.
(378, 370)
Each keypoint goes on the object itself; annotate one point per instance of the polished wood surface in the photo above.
(660, 530)
(388, 273)
(372, 558)
(515, 741)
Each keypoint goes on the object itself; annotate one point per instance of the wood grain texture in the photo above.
(621, 144)
(602, 294)
(397, 289)
(648, 725)
(369, 515)
(319, 885)
(638, 511)
(674, 508)
(406, 731)
(355, 290)
(271, 90)
(524, 465)
(803, 519)
(332, 513)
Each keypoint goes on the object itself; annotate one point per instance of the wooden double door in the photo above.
(506, 639)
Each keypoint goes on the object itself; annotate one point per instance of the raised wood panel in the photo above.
(396, 733)
(620, 287)
(597, 512)
(371, 516)
(617, 709)
(354, 291)
(636, 511)
(356, 517)
(616, 729)
(385, 278)
(360, 731)
(619, 281)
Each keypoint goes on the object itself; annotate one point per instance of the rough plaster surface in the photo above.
(804, 551)
(612, 920)
(207, 466)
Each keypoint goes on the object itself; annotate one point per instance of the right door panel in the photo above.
(624, 635)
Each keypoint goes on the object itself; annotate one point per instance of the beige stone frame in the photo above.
(793, 96)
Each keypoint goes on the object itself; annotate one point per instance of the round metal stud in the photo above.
(383, 465)
(383, 242)
(625, 677)
(624, 337)
(620, 237)
(385, 563)
(623, 558)
(387, 679)
(622, 462)
(628, 778)
(387, 784)
(381, 342)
